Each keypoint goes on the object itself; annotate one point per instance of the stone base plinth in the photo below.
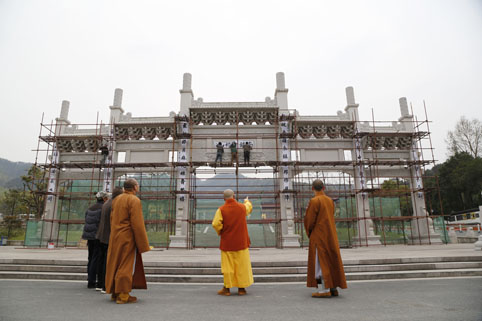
(290, 240)
(178, 241)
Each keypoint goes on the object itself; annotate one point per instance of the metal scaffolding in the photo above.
(374, 171)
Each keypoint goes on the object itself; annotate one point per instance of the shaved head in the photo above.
(318, 185)
(130, 183)
(228, 194)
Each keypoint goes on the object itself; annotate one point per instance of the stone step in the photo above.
(261, 278)
(216, 264)
(256, 270)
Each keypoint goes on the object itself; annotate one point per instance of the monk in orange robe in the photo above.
(128, 239)
(230, 223)
(324, 259)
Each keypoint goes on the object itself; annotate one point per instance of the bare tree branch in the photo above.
(467, 137)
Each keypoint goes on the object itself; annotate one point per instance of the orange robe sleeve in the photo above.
(138, 227)
(311, 215)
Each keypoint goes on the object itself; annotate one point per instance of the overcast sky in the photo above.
(82, 50)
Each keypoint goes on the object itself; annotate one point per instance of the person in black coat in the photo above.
(92, 219)
(103, 234)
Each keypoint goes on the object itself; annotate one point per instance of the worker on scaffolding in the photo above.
(324, 259)
(247, 151)
(234, 153)
(104, 151)
(230, 223)
(219, 153)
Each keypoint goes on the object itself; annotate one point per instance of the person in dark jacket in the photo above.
(234, 153)
(92, 219)
(219, 153)
(103, 234)
(247, 151)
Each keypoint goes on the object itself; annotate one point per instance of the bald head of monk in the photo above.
(228, 194)
(317, 185)
(131, 184)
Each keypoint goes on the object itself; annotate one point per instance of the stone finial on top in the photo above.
(351, 108)
(281, 92)
(64, 117)
(186, 82)
(350, 96)
(117, 98)
(280, 81)
(187, 95)
(404, 107)
(64, 111)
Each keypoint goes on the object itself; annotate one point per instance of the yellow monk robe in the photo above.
(230, 223)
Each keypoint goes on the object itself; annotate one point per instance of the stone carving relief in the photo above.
(260, 117)
(149, 133)
(404, 142)
(333, 131)
(145, 132)
(92, 145)
(347, 131)
(65, 145)
(375, 142)
(320, 130)
(388, 142)
(305, 131)
(78, 146)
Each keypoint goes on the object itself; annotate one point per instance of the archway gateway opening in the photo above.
(259, 184)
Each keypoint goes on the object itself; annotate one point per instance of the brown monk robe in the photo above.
(128, 239)
(324, 251)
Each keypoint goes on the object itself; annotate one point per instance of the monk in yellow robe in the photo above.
(324, 259)
(230, 223)
(128, 239)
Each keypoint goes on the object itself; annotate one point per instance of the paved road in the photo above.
(427, 299)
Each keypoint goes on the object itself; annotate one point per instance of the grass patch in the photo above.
(17, 234)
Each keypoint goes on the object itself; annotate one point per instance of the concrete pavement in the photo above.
(423, 300)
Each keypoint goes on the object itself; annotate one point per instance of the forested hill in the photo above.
(10, 173)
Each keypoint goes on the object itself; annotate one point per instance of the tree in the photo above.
(466, 137)
(460, 183)
(11, 205)
(35, 183)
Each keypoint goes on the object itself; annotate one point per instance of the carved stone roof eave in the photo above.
(233, 105)
(323, 120)
(127, 119)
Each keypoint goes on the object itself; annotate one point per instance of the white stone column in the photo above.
(422, 226)
(179, 239)
(366, 234)
(50, 229)
(288, 236)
